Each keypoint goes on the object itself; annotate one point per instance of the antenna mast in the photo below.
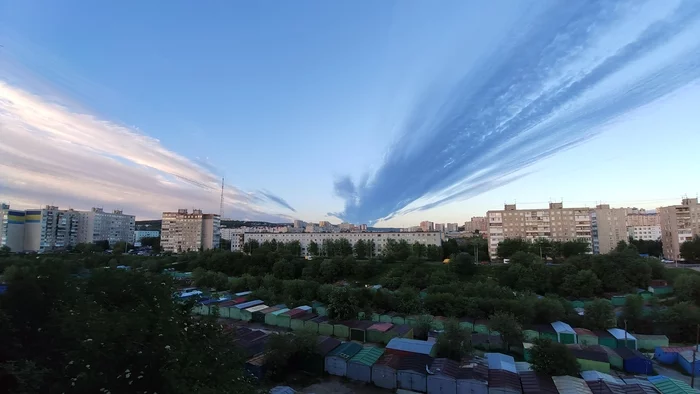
(221, 207)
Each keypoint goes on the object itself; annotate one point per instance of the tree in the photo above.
(583, 284)
(454, 343)
(690, 250)
(5, 250)
(598, 315)
(687, 287)
(510, 246)
(508, 327)
(313, 248)
(283, 269)
(418, 249)
(342, 304)
(361, 249)
(224, 244)
(573, 248)
(114, 330)
(632, 310)
(423, 326)
(554, 359)
(433, 253)
(463, 264)
(154, 243)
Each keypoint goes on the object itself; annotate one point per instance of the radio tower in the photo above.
(221, 208)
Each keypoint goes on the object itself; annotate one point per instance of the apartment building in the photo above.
(679, 223)
(608, 228)
(439, 227)
(477, 224)
(452, 227)
(11, 228)
(644, 233)
(182, 231)
(114, 227)
(141, 234)
(427, 226)
(555, 223)
(379, 239)
(50, 228)
(640, 217)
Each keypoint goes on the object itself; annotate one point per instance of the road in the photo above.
(672, 373)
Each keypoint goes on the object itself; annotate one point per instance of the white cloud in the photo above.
(49, 152)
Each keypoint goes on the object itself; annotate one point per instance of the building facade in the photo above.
(679, 223)
(141, 234)
(379, 239)
(98, 225)
(452, 227)
(439, 227)
(11, 228)
(640, 217)
(555, 223)
(478, 224)
(608, 227)
(182, 231)
(644, 233)
(50, 229)
(427, 226)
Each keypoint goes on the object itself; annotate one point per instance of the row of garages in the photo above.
(686, 357)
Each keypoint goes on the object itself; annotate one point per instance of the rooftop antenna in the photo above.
(221, 208)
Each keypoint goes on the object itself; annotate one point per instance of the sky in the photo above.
(388, 112)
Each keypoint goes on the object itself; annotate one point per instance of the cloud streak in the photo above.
(52, 154)
(551, 86)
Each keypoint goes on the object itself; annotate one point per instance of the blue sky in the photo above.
(367, 110)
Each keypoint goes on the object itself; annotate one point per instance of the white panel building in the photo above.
(98, 225)
(645, 233)
(379, 239)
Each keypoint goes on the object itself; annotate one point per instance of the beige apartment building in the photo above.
(640, 217)
(477, 223)
(679, 223)
(98, 225)
(609, 227)
(182, 231)
(555, 223)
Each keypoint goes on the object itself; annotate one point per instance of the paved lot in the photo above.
(672, 373)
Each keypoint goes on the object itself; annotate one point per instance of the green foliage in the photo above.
(285, 353)
(342, 304)
(113, 330)
(510, 246)
(632, 311)
(454, 343)
(422, 327)
(687, 288)
(690, 250)
(598, 315)
(508, 327)
(313, 248)
(554, 359)
(582, 284)
(154, 242)
(463, 264)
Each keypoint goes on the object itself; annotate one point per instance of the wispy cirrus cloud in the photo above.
(50, 153)
(550, 86)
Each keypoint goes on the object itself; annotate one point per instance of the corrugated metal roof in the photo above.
(561, 327)
(499, 378)
(667, 385)
(381, 327)
(411, 345)
(523, 366)
(571, 385)
(243, 293)
(603, 334)
(360, 324)
(368, 356)
(583, 331)
(533, 383)
(248, 304)
(401, 329)
(639, 386)
(500, 361)
(257, 308)
(596, 375)
(473, 371)
(483, 339)
(688, 356)
(603, 349)
(269, 309)
(628, 354)
(304, 308)
(346, 350)
(445, 366)
(603, 387)
(306, 316)
(320, 319)
(619, 333)
(589, 354)
(389, 360)
(295, 312)
(675, 349)
(282, 390)
(280, 311)
(416, 363)
(324, 345)
(650, 337)
(547, 328)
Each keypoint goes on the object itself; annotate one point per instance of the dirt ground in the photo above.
(333, 385)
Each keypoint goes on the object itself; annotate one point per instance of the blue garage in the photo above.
(634, 362)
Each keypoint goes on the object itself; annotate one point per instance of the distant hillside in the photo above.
(242, 223)
(148, 225)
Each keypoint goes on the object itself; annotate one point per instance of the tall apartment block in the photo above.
(98, 225)
(477, 223)
(427, 226)
(11, 228)
(182, 231)
(556, 223)
(608, 228)
(50, 228)
(679, 223)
